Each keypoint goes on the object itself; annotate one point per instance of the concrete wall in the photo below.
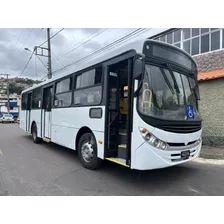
(211, 108)
(210, 62)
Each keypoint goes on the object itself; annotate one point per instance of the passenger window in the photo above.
(89, 78)
(63, 95)
(63, 86)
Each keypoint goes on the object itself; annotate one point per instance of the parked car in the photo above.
(6, 118)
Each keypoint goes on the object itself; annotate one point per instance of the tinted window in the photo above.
(24, 101)
(177, 35)
(204, 30)
(195, 32)
(63, 100)
(205, 43)
(36, 99)
(63, 86)
(90, 96)
(162, 38)
(187, 46)
(186, 33)
(222, 38)
(170, 38)
(89, 78)
(215, 41)
(195, 46)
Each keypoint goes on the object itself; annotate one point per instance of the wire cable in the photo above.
(42, 62)
(26, 64)
(77, 43)
(36, 65)
(27, 38)
(118, 41)
(52, 36)
(83, 43)
(57, 58)
(18, 38)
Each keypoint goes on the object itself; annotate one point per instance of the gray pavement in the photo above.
(49, 169)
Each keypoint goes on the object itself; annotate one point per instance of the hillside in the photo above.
(17, 85)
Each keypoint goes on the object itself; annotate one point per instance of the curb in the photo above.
(209, 161)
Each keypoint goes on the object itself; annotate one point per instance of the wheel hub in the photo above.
(87, 151)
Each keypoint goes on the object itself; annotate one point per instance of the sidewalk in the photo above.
(209, 152)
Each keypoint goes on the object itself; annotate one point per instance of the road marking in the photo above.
(1, 154)
(192, 189)
(209, 161)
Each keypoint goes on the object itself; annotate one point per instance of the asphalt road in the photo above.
(48, 169)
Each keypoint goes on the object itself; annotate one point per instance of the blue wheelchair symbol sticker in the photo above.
(190, 112)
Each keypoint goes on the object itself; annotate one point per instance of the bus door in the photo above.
(28, 112)
(47, 105)
(118, 124)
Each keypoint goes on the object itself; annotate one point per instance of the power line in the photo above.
(42, 62)
(78, 43)
(112, 44)
(36, 65)
(37, 36)
(83, 43)
(57, 58)
(19, 37)
(52, 37)
(26, 64)
(27, 38)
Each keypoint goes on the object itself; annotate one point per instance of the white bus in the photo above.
(135, 105)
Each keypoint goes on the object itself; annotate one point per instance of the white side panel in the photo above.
(36, 116)
(28, 112)
(66, 122)
(22, 123)
(47, 124)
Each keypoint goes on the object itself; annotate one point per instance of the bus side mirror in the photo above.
(138, 68)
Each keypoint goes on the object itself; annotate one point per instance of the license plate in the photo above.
(185, 154)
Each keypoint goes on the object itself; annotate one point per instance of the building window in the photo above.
(215, 41)
(195, 46)
(205, 43)
(195, 41)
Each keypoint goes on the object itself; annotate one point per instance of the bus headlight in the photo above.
(152, 140)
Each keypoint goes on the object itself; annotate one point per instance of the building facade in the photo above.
(206, 45)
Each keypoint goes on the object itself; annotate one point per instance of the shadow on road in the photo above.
(152, 179)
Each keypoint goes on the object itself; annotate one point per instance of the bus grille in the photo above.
(181, 128)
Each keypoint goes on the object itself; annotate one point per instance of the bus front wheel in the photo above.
(87, 151)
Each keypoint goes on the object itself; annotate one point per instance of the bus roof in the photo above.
(132, 43)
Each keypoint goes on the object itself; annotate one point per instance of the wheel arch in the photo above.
(81, 132)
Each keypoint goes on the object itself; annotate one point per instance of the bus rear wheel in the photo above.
(34, 134)
(87, 152)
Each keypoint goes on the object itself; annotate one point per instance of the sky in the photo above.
(13, 56)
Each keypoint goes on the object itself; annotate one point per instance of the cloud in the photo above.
(67, 47)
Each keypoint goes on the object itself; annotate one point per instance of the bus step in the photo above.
(122, 151)
(46, 139)
(119, 161)
(122, 139)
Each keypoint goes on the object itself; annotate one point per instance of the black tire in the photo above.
(36, 139)
(94, 162)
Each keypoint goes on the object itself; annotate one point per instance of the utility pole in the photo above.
(7, 80)
(43, 54)
(49, 54)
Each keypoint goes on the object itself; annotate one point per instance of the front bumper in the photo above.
(147, 157)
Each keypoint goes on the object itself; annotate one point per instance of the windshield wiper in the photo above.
(173, 77)
(167, 80)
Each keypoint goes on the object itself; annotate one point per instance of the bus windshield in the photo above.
(168, 95)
